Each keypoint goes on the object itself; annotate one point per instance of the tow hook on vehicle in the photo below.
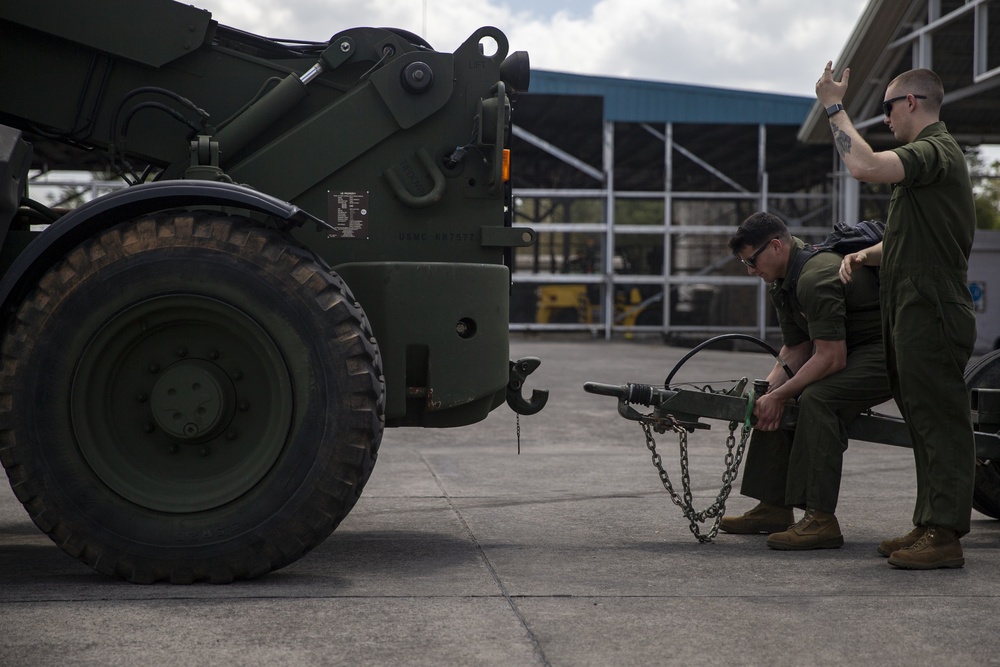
(519, 372)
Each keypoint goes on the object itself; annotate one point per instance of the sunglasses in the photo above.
(751, 261)
(887, 105)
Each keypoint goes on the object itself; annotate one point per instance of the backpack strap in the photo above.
(792, 275)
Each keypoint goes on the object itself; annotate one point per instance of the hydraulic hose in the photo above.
(729, 336)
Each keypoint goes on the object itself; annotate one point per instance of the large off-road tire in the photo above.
(985, 373)
(189, 397)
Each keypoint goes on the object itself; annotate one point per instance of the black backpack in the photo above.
(843, 240)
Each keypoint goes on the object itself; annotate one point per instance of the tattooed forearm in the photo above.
(841, 140)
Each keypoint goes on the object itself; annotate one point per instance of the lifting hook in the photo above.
(519, 372)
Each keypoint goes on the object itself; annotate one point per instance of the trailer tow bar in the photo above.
(680, 411)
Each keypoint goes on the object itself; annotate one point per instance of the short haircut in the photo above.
(757, 230)
(920, 82)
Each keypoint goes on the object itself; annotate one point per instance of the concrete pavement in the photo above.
(462, 552)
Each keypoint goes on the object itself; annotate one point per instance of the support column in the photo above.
(762, 301)
(849, 194)
(608, 309)
(668, 220)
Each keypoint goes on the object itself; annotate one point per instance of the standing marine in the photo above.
(928, 320)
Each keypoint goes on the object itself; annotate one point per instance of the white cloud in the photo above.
(767, 45)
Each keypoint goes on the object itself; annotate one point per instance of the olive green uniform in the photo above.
(929, 323)
(803, 468)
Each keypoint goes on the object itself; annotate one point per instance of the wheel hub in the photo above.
(192, 401)
(162, 403)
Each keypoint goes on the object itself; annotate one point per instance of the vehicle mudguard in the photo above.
(109, 210)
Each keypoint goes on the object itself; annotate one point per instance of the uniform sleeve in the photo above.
(823, 298)
(924, 163)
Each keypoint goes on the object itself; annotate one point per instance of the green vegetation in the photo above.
(986, 188)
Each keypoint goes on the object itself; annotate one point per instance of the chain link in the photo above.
(733, 459)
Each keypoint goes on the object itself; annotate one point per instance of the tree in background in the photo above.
(985, 187)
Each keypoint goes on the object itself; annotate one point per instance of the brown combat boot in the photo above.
(937, 547)
(815, 530)
(887, 547)
(763, 518)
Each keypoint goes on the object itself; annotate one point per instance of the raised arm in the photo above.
(864, 163)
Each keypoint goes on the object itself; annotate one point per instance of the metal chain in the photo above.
(518, 433)
(718, 507)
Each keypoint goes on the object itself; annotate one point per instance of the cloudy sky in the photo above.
(777, 46)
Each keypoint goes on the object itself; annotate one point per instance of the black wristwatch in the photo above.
(833, 108)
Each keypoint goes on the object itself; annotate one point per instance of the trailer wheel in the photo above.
(189, 397)
(985, 373)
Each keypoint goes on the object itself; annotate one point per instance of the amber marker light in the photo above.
(505, 169)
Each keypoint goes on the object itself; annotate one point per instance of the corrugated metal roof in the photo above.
(637, 101)
(866, 50)
(893, 36)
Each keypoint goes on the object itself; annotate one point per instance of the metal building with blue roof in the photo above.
(635, 186)
(639, 101)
